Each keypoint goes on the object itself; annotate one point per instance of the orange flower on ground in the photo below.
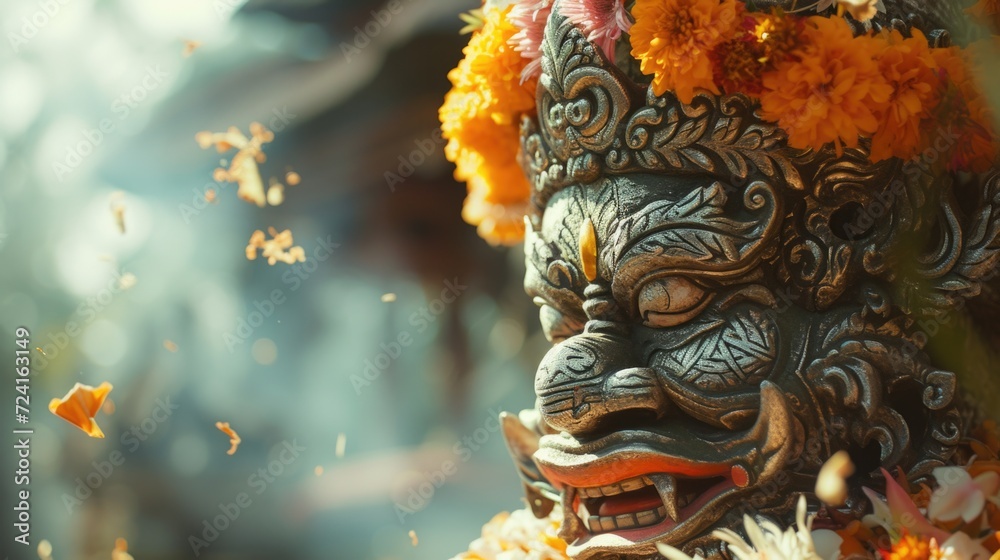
(480, 119)
(674, 40)
(80, 405)
(831, 92)
(234, 438)
(965, 108)
(909, 67)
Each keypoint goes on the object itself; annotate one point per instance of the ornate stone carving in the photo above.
(754, 308)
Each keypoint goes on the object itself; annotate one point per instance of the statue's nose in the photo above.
(591, 376)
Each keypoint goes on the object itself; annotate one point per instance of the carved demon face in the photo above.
(726, 313)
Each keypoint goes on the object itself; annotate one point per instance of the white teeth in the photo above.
(630, 485)
(607, 523)
(666, 485)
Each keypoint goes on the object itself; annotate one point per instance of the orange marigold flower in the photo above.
(832, 91)
(913, 548)
(909, 67)
(762, 41)
(480, 120)
(988, 12)
(80, 405)
(965, 107)
(986, 440)
(674, 40)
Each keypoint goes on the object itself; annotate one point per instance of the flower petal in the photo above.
(80, 405)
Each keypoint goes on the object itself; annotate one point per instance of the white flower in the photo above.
(963, 547)
(518, 536)
(959, 495)
(769, 542)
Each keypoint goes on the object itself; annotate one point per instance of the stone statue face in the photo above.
(726, 313)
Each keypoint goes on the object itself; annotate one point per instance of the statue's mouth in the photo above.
(658, 500)
(629, 490)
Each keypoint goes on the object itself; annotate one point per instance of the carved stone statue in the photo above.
(727, 312)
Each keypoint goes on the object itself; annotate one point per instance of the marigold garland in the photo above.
(909, 68)
(831, 91)
(674, 39)
(824, 86)
(480, 120)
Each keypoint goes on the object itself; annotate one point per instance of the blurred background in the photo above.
(100, 101)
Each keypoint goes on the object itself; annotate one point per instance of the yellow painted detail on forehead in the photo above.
(588, 250)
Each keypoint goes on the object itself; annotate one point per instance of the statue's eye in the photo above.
(556, 326)
(671, 301)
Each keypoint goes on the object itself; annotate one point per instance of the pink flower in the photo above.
(959, 495)
(898, 512)
(602, 21)
(530, 17)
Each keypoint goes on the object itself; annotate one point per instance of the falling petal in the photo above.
(127, 281)
(279, 248)
(234, 438)
(190, 46)
(80, 405)
(118, 210)
(276, 194)
(44, 550)
(831, 485)
(120, 551)
(341, 444)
